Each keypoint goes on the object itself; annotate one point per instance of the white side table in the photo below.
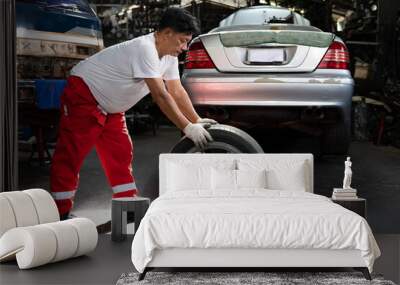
(119, 209)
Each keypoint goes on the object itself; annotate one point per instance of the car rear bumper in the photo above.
(315, 89)
(253, 100)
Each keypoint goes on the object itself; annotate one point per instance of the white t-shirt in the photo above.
(115, 75)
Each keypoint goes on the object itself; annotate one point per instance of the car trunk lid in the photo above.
(273, 49)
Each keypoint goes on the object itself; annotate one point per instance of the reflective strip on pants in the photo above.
(63, 195)
(124, 187)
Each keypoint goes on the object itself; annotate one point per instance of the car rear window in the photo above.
(275, 27)
(249, 38)
(260, 16)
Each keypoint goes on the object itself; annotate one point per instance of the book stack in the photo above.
(344, 194)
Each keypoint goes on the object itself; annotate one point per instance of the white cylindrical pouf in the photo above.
(67, 240)
(40, 244)
(33, 246)
(7, 217)
(45, 206)
(87, 234)
(23, 207)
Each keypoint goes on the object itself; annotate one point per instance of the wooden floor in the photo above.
(106, 264)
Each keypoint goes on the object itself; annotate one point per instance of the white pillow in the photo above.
(227, 179)
(251, 178)
(188, 177)
(284, 174)
(287, 178)
(223, 179)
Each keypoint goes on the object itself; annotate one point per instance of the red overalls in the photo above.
(84, 125)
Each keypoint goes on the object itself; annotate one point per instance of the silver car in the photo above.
(266, 67)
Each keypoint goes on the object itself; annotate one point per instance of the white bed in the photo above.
(230, 210)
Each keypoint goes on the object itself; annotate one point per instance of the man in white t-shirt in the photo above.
(102, 87)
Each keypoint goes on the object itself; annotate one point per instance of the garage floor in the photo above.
(375, 175)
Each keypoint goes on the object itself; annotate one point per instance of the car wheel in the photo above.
(226, 139)
(336, 139)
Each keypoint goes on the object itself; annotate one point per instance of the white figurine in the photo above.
(347, 174)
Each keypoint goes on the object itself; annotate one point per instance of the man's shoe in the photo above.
(104, 228)
(67, 216)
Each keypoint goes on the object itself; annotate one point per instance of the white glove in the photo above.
(198, 134)
(206, 121)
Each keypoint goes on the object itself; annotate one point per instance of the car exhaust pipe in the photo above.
(312, 114)
(218, 113)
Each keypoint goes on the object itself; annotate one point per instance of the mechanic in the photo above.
(102, 87)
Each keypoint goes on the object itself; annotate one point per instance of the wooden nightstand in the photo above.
(357, 205)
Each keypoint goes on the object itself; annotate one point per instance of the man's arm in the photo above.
(166, 103)
(168, 106)
(182, 99)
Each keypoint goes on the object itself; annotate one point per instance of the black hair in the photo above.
(180, 21)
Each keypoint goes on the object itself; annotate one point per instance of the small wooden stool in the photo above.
(119, 209)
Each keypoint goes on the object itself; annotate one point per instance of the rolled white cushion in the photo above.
(23, 208)
(33, 246)
(37, 245)
(46, 208)
(26, 208)
(67, 240)
(87, 235)
(7, 218)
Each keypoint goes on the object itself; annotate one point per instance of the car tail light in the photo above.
(197, 57)
(337, 57)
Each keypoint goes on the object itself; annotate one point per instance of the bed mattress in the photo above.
(251, 219)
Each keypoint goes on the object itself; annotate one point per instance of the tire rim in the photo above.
(215, 147)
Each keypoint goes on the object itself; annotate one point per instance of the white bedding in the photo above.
(252, 218)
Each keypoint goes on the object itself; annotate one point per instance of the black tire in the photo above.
(226, 138)
(336, 139)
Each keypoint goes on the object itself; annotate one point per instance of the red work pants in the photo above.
(84, 125)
